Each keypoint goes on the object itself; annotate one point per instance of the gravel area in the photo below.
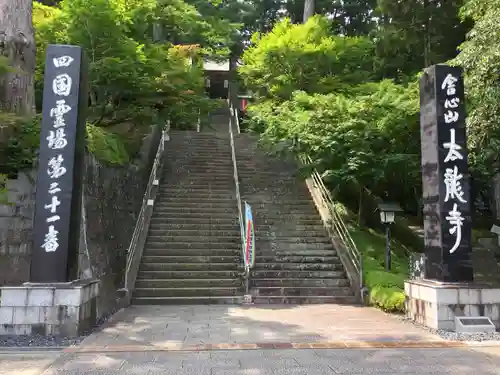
(32, 341)
(453, 336)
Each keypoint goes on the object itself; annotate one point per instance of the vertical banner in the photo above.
(249, 238)
(60, 165)
(445, 174)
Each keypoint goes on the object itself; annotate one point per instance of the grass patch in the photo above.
(386, 289)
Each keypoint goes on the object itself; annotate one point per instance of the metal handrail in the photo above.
(237, 119)
(135, 249)
(198, 123)
(234, 113)
(337, 224)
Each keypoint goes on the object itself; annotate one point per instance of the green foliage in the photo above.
(105, 146)
(3, 189)
(139, 70)
(305, 57)
(20, 149)
(131, 79)
(386, 289)
(360, 137)
(479, 57)
(414, 34)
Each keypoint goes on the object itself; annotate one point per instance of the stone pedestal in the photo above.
(49, 309)
(435, 304)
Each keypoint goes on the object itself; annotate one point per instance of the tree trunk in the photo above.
(17, 43)
(308, 9)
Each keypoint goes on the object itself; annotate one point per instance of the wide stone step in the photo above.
(286, 216)
(186, 274)
(209, 181)
(201, 154)
(168, 251)
(283, 239)
(205, 300)
(188, 172)
(176, 233)
(187, 292)
(183, 259)
(294, 274)
(179, 180)
(197, 150)
(276, 210)
(310, 221)
(184, 203)
(188, 267)
(190, 210)
(304, 283)
(188, 283)
(273, 245)
(201, 196)
(297, 259)
(202, 190)
(297, 266)
(201, 220)
(210, 226)
(209, 163)
(303, 300)
(295, 253)
(193, 245)
(200, 168)
(304, 291)
(190, 188)
(290, 233)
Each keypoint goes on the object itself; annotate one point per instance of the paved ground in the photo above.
(270, 362)
(26, 363)
(188, 340)
(187, 326)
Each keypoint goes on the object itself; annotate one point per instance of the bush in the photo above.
(106, 147)
(386, 289)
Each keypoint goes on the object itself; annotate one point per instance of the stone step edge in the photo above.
(272, 346)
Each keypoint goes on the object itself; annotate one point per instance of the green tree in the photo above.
(479, 57)
(413, 34)
(305, 57)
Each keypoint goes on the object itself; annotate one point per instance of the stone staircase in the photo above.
(295, 259)
(193, 249)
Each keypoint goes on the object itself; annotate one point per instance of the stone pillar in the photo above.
(447, 206)
(60, 166)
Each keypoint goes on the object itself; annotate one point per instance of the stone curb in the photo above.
(348, 344)
(32, 349)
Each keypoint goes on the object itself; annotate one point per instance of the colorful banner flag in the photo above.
(249, 237)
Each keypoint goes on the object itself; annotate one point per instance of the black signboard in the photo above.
(60, 165)
(447, 206)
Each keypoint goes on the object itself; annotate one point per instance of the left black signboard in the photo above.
(60, 165)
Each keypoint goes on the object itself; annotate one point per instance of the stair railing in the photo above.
(136, 247)
(232, 120)
(349, 253)
(198, 123)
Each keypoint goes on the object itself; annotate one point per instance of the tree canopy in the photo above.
(347, 77)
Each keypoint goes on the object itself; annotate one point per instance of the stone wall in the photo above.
(16, 222)
(112, 201)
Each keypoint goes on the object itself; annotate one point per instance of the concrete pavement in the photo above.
(269, 340)
(185, 327)
(280, 362)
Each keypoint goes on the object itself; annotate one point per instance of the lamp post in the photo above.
(387, 216)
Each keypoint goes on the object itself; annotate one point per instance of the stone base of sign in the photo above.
(66, 309)
(435, 304)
